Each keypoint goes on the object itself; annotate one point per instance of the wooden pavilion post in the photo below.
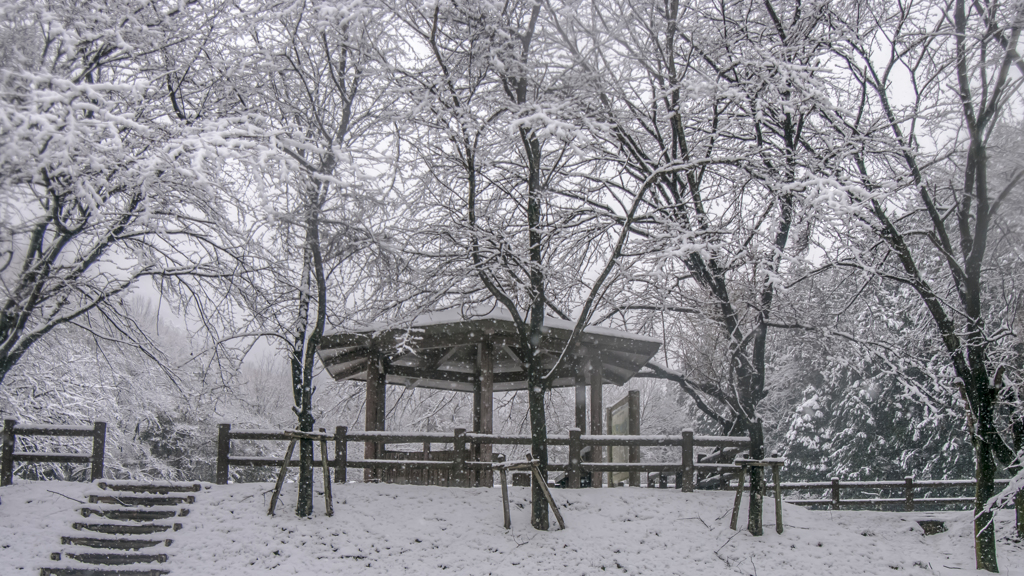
(595, 377)
(483, 408)
(581, 406)
(633, 405)
(581, 393)
(375, 401)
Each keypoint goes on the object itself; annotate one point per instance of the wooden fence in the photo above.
(461, 469)
(98, 433)
(907, 487)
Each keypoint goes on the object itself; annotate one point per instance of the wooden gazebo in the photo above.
(480, 353)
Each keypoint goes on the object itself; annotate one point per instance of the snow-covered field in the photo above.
(388, 529)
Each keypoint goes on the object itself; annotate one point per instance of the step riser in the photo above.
(135, 515)
(151, 489)
(99, 572)
(111, 544)
(118, 559)
(142, 500)
(123, 530)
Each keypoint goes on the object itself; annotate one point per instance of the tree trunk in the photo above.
(303, 391)
(984, 529)
(1018, 501)
(539, 444)
(306, 343)
(1017, 432)
(304, 507)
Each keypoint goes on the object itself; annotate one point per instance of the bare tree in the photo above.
(503, 140)
(931, 84)
(94, 198)
(313, 118)
(713, 110)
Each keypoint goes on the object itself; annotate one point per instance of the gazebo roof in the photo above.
(440, 350)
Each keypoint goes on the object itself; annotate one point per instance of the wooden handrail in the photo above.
(11, 430)
(460, 465)
(908, 485)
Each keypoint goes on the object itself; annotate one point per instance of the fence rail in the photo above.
(461, 466)
(8, 455)
(908, 486)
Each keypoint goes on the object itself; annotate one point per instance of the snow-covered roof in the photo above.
(440, 350)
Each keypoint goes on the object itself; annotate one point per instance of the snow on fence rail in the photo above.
(98, 433)
(460, 468)
(908, 485)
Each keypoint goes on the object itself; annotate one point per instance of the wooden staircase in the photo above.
(132, 527)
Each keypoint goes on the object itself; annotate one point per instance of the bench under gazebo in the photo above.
(480, 354)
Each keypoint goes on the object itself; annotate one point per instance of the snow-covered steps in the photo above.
(111, 558)
(130, 499)
(133, 513)
(123, 543)
(150, 528)
(99, 572)
(160, 488)
(129, 540)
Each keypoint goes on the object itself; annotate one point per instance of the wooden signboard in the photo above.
(624, 419)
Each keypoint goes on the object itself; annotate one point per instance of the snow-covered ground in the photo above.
(388, 529)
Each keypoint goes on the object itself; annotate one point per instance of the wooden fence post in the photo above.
(610, 456)
(223, 449)
(7, 456)
(99, 448)
(459, 461)
(504, 492)
(835, 493)
(776, 469)
(575, 448)
(688, 468)
(340, 455)
(909, 505)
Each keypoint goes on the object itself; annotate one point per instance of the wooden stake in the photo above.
(504, 493)
(778, 498)
(739, 498)
(328, 499)
(280, 476)
(547, 494)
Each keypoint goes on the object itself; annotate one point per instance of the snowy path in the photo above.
(387, 529)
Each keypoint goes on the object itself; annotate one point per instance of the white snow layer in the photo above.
(381, 529)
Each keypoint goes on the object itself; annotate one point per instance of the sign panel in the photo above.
(618, 425)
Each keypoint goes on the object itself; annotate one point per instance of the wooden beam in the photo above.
(344, 340)
(443, 375)
(351, 355)
(347, 373)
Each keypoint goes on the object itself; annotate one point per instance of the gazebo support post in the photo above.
(581, 394)
(633, 405)
(596, 379)
(483, 409)
(375, 404)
